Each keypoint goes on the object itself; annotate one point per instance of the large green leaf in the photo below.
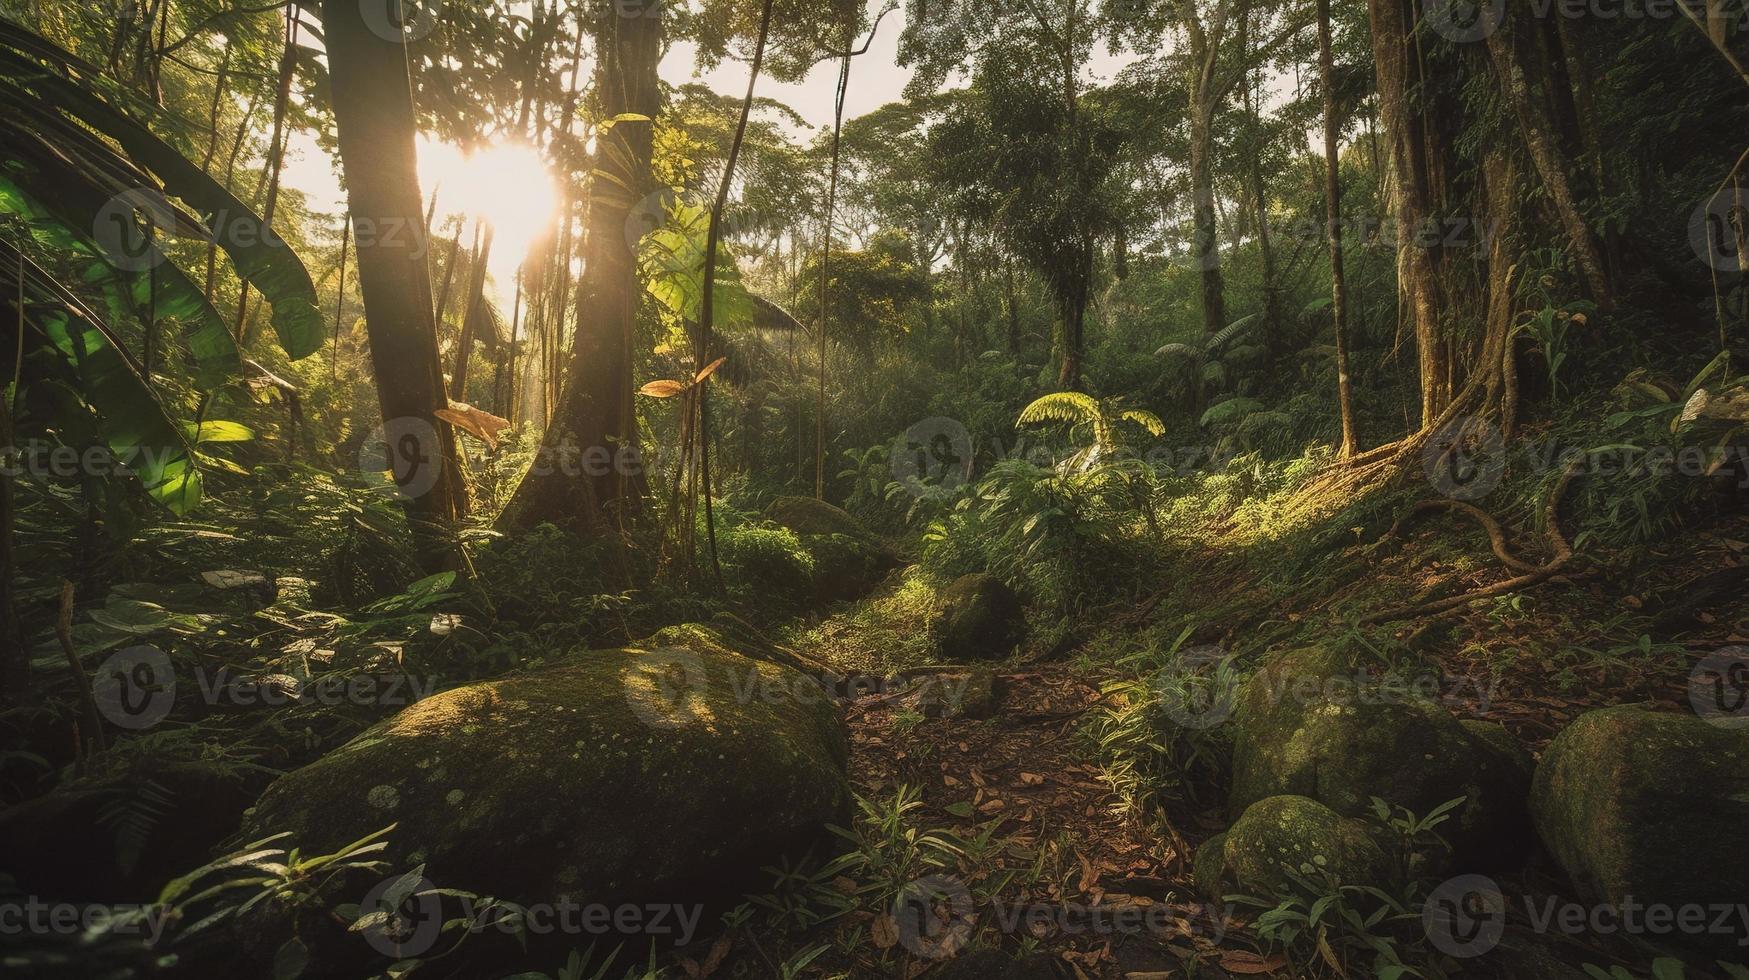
(56, 213)
(130, 419)
(260, 256)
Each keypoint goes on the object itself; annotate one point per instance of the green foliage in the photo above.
(1144, 749)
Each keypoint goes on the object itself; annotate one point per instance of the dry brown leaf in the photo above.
(480, 424)
(664, 388)
(884, 932)
(1241, 961)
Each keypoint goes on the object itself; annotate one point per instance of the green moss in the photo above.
(980, 618)
(626, 771)
(1311, 724)
(1281, 837)
(807, 516)
(1653, 806)
(1209, 866)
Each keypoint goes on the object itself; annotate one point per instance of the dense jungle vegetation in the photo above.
(842, 489)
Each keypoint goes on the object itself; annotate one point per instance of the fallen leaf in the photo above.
(884, 932)
(1241, 961)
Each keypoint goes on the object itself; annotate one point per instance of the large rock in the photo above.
(978, 618)
(807, 516)
(1650, 806)
(1284, 838)
(849, 560)
(622, 775)
(1312, 723)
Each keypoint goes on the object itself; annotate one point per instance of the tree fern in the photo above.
(1077, 408)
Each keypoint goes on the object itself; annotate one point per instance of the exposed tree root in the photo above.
(1558, 544)
(1496, 536)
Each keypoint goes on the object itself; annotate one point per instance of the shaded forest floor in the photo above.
(1078, 881)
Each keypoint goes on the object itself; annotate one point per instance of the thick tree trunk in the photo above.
(1551, 162)
(1333, 199)
(1416, 171)
(589, 462)
(373, 110)
(1205, 246)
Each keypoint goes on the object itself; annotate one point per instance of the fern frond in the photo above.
(1072, 407)
(1238, 328)
(1147, 420)
(1231, 410)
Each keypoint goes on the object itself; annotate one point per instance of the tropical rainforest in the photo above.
(851, 489)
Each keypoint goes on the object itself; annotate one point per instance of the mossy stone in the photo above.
(668, 774)
(1209, 865)
(1312, 723)
(1634, 803)
(846, 568)
(1283, 837)
(807, 516)
(978, 617)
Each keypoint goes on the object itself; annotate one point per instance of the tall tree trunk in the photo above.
(1205, 246)
(826, 279)
(1333, 199)
(472, 320)
(373, 111)
(1416, 170)
(1551, 161)
(595, 413)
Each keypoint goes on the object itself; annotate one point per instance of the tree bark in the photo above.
(1416, 170)
(589, 462)
(1205, 247)
(374, 113)
(1333, 199)
(1551, 162)
(471, 320)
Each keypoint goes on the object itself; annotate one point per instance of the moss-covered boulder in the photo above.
(1655, 807)
(978, 617)
(669, 774)
(847, 568)
(1283, 837)
(1314, 723)
(848, 559)
(807, 516)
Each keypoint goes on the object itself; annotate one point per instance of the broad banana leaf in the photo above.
(37, 77)
(130, 419)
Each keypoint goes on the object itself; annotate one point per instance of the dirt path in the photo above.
(1090, 888)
